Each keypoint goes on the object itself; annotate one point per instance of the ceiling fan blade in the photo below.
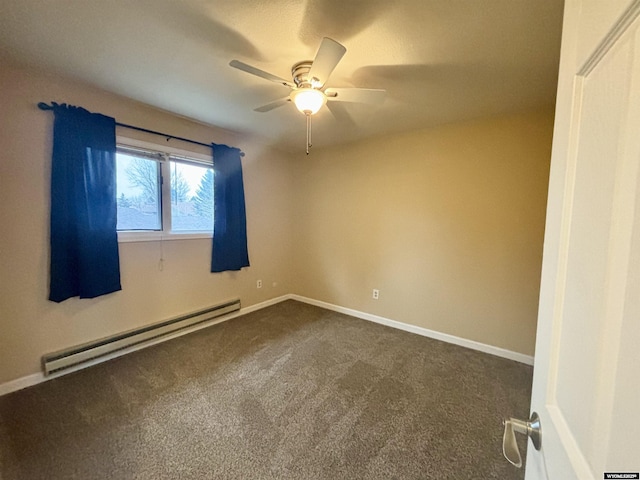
(356, 95)
(272, 105)
(328, 56)
(260, 73)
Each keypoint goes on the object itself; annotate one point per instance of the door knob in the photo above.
(531, 429)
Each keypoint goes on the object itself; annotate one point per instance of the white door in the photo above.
(586, 385)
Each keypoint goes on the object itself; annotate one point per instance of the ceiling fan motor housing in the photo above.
(300, 74)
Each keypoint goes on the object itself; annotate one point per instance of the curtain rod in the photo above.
(45, 106)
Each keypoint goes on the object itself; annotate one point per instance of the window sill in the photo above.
(128, 237)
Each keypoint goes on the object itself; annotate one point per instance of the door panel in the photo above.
(588, 305)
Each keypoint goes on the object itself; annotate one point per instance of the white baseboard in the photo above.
(20, 383)
(35, 378)
(425, 332)
(261, 305)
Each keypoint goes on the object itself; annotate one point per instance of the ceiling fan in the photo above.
(308, 84)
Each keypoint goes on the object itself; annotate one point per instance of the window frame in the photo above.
(166, 155)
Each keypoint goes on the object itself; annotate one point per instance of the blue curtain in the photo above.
(84, 242)
(229, 251)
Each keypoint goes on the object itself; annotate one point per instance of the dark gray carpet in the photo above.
(289, 392)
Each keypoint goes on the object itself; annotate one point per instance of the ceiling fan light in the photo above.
(308, 100)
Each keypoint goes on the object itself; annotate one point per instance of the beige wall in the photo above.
(447, 223)
(30, 325)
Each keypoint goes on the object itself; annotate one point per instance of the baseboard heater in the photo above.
(110, 346)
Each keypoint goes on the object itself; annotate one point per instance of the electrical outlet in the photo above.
(376, 294)
(259, 284)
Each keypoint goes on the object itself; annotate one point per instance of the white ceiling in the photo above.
(440, 60)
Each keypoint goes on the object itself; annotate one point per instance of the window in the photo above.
(163, 193)
(138, 183)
